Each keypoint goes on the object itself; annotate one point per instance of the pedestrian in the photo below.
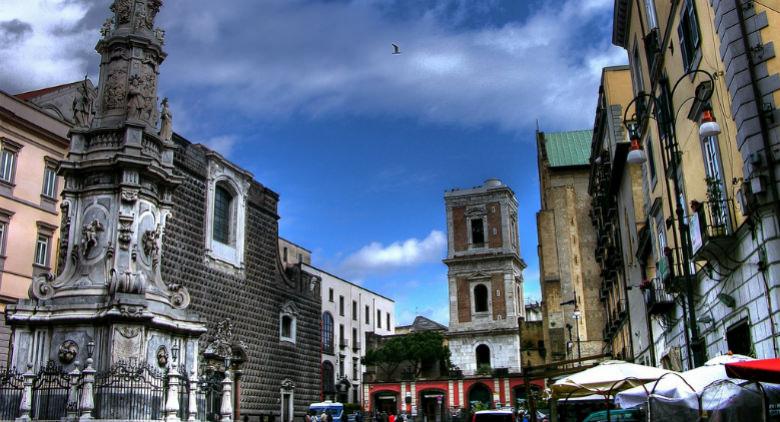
(391, 418)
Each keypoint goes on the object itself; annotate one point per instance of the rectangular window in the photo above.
(368, 315)
(341, 305)
(3, 232)
(49, 182)
(355, 366)
(354, 310)
(222, 204)
(42, 251)
(477, 231)
(355, 339)
(688, 34)
(378, 318)
(650, 160)
(342, 340)
(341, 365)
(300, 258)
(330, 295)
(388, 321)
(7, 165)
(284, 254)
(637, 78)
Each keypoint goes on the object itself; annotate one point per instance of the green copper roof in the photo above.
(568, 148)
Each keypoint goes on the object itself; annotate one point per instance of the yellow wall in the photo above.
(40, 136)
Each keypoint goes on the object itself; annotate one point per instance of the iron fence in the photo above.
(50, 391)
(11, 390)
(130, 391)
(209, 396)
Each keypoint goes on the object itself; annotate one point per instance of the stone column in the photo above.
(226, 410)
(73, 394)
(26, 405)
(87, 394)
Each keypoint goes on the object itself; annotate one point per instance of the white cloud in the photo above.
(222, 144)
(376, 258)
(280, 59)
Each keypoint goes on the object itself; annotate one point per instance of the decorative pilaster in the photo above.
(193, 397)
(172, 403)
(226, 409)
(73, 394)
(87, 392)
(26, 404)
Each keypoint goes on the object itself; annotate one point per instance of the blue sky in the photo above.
(359, 143)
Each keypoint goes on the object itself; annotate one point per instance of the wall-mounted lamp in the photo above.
(636, 155)
(708, 127)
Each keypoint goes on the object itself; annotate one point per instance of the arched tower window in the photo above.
(327, 332)
(483, 356)
(223, 204)
(480, 298)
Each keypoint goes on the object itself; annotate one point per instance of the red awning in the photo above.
(764, 370)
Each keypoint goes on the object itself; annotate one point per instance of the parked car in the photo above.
(622, 415)
(493, 416)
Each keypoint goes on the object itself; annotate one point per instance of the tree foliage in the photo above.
(417, 348)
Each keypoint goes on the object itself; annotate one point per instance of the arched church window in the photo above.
(327, 332)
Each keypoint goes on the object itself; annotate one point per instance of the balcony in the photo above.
(657, 300)
(670, 270)
(712, 228)
(356, 346)
(343, 343)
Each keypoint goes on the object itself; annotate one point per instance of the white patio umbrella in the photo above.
(683, 386)
(614, 375)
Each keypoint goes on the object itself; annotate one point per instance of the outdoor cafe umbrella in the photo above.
(606, 378)
(684, 386)
(762, 370)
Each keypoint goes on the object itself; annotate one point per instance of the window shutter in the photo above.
(683, 49)
(694, 24)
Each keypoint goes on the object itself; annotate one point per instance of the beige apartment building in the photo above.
(32, 142)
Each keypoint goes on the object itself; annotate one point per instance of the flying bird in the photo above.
(396, 49)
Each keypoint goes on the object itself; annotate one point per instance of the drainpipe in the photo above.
(770, 161)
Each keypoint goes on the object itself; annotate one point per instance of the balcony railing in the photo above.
(712, 227)
(671, 271)
(343, 343)
(657, 299)
(356, 346)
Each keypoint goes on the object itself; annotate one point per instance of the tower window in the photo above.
(483, 356)
(480, 298)
(477, 231)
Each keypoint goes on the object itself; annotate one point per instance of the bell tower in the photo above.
(119, 181)
(485, 277)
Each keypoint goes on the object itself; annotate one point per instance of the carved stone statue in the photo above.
(108, 25)
(135, 98)
(166, 122)
(89, 236)
(82, 106)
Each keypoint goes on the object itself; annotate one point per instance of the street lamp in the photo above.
(577, 315)
(667, 129)
(636, 155)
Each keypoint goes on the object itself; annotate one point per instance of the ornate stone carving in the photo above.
(162, 356)
(127, 282)
(159, 34)
(129, 195)
(129, 332)
(288, 384)
(221, 344)
(122, 10)
(116, 87)
(107, 27)
(131, 311)
(89, 236)
(125, 231)
(166, 122)
(41, 286)
(67, 352)
(64, 232)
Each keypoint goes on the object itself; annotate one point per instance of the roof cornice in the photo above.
(620, 22)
